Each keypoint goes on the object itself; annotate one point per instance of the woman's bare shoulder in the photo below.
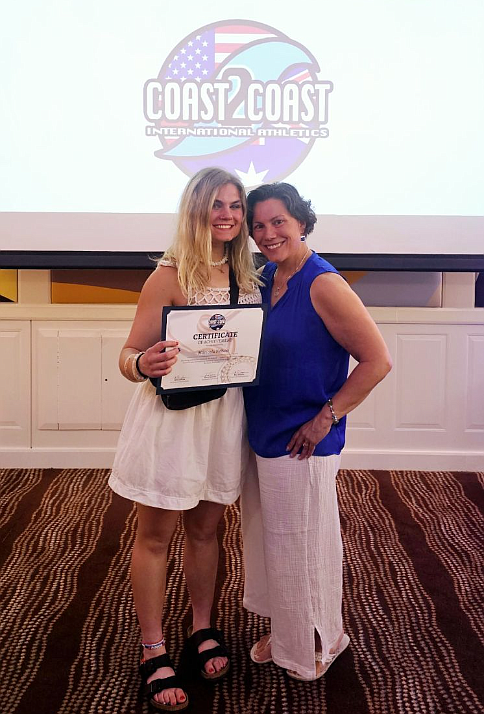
(162, 284)
(162, 275)
(329, 282)
(331, 295)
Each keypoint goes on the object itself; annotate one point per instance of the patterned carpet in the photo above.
(413, 604)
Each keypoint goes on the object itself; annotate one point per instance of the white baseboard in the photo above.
(351, 459)
(57, 459)
(413, 460)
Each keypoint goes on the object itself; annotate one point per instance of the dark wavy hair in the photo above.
(296, 205)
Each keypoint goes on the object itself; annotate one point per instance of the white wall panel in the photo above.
(79, 376)
(420, 374)
(430, 408)
(475, 383)
(45, 378)
(82, 390)
(15, 384)
(116, 390)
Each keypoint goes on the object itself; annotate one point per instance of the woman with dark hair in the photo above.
(296, 426)
(189, 460)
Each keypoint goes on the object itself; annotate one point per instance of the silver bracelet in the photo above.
(333, 415)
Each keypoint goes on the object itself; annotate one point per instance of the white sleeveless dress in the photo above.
(174, 459)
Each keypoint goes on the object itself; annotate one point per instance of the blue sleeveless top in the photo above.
(302, 367)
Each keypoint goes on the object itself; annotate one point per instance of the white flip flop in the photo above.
(254, 648)
(345, 640)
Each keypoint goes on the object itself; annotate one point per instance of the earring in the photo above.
(303, 238)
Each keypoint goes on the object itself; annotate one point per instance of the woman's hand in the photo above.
(309, 435)
(158, 360)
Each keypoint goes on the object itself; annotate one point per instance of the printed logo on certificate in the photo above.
(219, 346)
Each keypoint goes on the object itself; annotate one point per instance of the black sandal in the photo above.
(149, 667)
(201, 658)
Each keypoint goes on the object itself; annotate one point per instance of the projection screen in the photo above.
(374, 111)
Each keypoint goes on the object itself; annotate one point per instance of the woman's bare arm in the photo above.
(160, 289)
(351, 325)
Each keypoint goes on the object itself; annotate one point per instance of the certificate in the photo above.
(219, 346)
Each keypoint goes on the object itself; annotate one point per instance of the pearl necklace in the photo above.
(222, 261)
(278, 288)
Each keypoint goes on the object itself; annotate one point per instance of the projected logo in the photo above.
(240, 95)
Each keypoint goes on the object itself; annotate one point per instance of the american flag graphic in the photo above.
(298, 75)
(199, 56)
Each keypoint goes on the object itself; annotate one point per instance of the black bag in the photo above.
(185, 400)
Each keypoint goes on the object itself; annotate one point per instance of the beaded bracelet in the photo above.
(154, 645)
(333, 415)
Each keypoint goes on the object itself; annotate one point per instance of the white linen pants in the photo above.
(293, 555)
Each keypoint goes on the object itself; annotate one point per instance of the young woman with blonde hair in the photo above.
(189, 460)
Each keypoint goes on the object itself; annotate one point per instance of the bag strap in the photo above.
(234, 288)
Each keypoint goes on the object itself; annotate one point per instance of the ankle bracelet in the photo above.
(153, 645)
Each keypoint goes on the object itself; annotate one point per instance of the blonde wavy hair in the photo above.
(191, 250)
